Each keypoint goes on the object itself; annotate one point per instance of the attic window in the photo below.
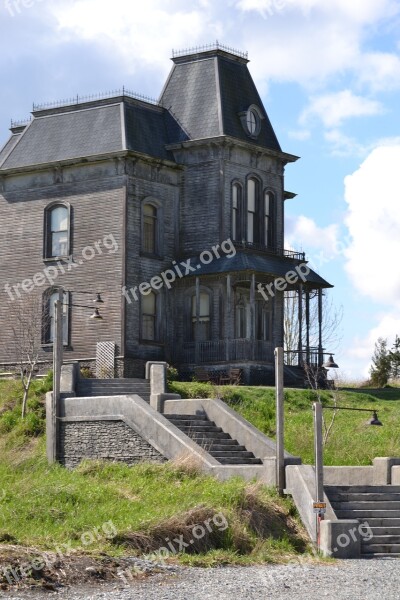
(251, 120)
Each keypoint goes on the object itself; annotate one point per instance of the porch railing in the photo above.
(225, 350)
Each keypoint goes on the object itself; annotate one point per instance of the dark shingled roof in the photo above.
(8, 146)
(68, 135)
(269, 264)
(76, 132)
(207, 91)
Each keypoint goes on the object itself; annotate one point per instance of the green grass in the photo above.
(45, 506)
(351, 441)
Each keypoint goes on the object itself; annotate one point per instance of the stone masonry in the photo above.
(103, 440)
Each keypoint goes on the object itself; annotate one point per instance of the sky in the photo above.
(328, 72)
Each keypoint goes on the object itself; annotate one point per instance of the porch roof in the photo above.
(268, 264)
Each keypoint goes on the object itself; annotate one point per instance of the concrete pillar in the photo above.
(158, 385)
(341, 538)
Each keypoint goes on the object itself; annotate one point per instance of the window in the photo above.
(241, 321)
(252, 121)
(252, 201)
(149, 317)
(236, 211)
(201, 322)
(264, 322)
(49, 316)
(150, 226)
(57, 228)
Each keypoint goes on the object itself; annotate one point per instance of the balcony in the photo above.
(268, 250)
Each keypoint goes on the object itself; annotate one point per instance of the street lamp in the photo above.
(318, 449)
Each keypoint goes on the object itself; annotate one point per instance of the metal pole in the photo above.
(280, 453)
(320, 349)
(300, 318)
(57, 362)
(319, 461)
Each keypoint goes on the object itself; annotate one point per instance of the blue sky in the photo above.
(329, 75)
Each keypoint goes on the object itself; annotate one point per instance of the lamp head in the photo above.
(96, 315)
(330, 363)
(374, 419)
(98, 299)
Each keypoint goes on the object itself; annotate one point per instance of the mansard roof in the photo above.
(91, 129)
(208, 91)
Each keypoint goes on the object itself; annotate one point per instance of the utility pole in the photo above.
(57, 364)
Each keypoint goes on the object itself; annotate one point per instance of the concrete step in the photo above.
(204, 435)
(224, 445)
(378, 522)
(194, 422)
(231, 454)
(370, 505)
(350, 497)
(381, 548)
(381, 539)
(378, 531)
(366, 514)
(240, 461)
(185, 417)
(381, 555)
(362, 489)
(201, 428)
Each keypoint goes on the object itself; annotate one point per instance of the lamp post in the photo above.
(318, 450)
(280, 452)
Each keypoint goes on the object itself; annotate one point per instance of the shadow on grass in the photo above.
(388, 393)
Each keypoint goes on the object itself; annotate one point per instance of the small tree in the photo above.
(381, 364)
(394, 354)
(27, 317)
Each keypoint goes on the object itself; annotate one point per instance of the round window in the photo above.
(252, 121)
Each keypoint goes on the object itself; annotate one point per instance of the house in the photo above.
(171, 210)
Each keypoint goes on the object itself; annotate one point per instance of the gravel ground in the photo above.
(374, 579)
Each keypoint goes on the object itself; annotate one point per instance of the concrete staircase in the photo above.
(213, 439)
(113, 387)
(377, 506)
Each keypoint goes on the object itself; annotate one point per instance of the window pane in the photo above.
(251, 195)
(267, 204)
(59, 243)
(149, 228)
(149, 304)
(149, 327)
(59, 219)
(235, 196)
(250, 227)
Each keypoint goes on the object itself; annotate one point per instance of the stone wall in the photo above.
(105, 440)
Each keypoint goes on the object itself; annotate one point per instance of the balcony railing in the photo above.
(268, 250)
(225, 351)
(314, 357)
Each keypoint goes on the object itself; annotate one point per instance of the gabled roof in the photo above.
(207, 91)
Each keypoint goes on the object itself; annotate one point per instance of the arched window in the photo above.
(236, 212)
(57, 231)
(150, 229)
(264, 315)
(252, 209)
(50, 298)
(201, 321)
(149, 317)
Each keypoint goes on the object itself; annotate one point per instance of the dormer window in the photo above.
(251, 120)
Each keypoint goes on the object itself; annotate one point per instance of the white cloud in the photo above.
(373, 221)
(332, 109)
(380, 71)
(300, 134)
(303, 232)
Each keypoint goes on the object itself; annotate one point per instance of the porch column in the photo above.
(308, 327)
(196, 341)
(253, 314)
(320, 348)
(228, 311)
(300, 319)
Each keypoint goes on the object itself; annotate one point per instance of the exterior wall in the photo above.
(162, 186)
(96, 194)
(103, 440)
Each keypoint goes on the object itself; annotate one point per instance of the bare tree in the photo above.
(313, 375)
(331, 323)
(27, 322)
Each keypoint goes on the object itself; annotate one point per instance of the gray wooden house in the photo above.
(172, 210)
